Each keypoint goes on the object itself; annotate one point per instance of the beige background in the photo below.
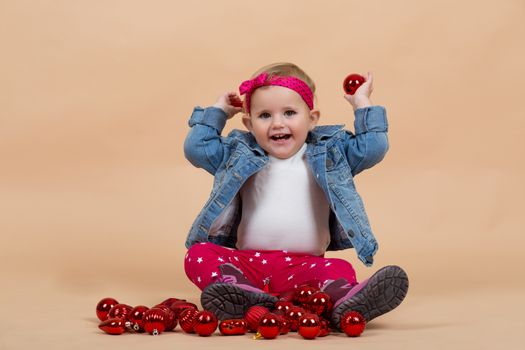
(96, 197)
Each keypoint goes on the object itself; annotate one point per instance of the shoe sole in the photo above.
(227, 300)
(384, 291)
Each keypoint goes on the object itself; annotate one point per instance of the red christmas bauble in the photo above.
(352, 83)
(135, 318)
(120, 311)
(235, 326)
(353, 323)
(170, 301)
(285, 325)
(283, 306)
(320, 303)
(205, 323)
(253, 315)
(104, 306)
(309, 326)
(171, 321)
(269, 326)
(178, 306)
(303, 293)
(155, 321)
(325, 327)
(113, 326)
(187, 319)
(293, 315)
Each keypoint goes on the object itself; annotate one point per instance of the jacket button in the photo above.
(351, 233)
(329, 163)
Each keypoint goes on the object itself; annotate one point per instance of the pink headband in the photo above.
(248, 87)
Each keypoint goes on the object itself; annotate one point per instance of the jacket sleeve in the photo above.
(203, 146)
(370, 143)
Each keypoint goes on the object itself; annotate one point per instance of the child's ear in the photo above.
(315, 114)
(246, 120)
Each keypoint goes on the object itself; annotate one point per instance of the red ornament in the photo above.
(104, 306)
(178, 306)
(170, 301)
(113, 326)
(187, 319)
(309, 326)
(236, 326)
(235, 101)
(283, 306)
(303, 293)
(293, 315)
(155, 321)
(253, 315)
(352, 83)
(320, 303)
(269, 326)
(135, 318)
(205, 323)
(120, 311)
(285, 325)
(325, 327)
(353, 323)
(171, 321)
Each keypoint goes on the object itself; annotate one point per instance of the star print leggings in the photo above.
(283, 270)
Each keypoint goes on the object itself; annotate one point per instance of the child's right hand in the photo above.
(225, 103)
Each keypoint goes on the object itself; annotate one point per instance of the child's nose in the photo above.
(277, 121)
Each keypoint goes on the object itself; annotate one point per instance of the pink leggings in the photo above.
(284, 270)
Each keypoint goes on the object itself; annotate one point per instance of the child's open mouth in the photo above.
(281, 138)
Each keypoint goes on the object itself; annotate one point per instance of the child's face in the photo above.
(277, 110)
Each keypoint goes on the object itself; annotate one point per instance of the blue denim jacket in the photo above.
(334, 156)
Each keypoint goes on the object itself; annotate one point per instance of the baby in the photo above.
(283, 195)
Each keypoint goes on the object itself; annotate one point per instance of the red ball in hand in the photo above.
(352, 83)
(353, 323)
(205, 323)
(114, 326)
(309, 326)
(104, 306)
(269, 326)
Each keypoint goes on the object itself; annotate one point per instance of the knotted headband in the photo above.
(249, 86)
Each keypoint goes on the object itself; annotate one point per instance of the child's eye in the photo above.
(290, 112)
(264, 115)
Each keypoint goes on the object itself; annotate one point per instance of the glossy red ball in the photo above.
(113, 326)
(154, 321)
(309, 326)
(136, 318)
(352, 83)
(187, 319)
(320, 303)
(205, 323)
(171, 320)
(120, 311)
(236, 326)
(283, 306)
(170, 301)
(285, 324)
(269, 326)
(325, 327)
(178, 306)
(253, 316)
(293, 315)
(104, 306)
(303, 293)
(353, 323)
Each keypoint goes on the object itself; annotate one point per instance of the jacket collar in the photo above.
(317, 135)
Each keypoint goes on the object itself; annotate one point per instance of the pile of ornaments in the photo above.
(304, 310)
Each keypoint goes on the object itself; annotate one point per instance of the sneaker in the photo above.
(373, 297)
(232, 295)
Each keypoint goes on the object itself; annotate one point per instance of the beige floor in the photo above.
(49, 314)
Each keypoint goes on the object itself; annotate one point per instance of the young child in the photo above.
(283, 194)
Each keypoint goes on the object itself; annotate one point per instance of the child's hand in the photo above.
(361, 97)
(227, 103)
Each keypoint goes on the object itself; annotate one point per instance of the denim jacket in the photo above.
(334, 156)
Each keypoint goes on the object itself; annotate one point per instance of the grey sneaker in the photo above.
(375, 296)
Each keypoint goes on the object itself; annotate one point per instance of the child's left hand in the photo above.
(361, 97)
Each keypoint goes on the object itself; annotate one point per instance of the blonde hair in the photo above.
(287, 69)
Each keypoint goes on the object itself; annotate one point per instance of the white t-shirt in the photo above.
(283, 208)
